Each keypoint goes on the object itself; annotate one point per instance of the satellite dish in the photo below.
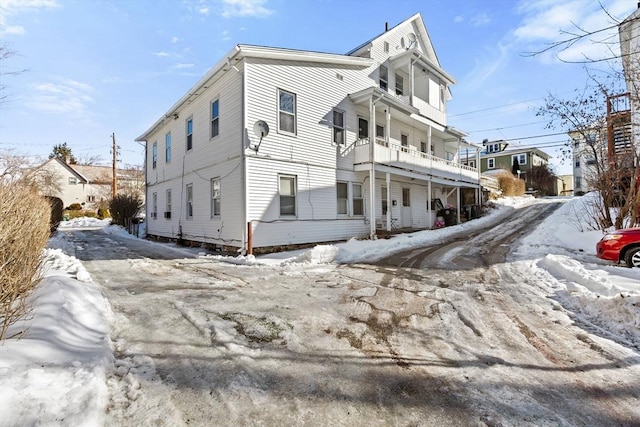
(261, 129)
(412, 39)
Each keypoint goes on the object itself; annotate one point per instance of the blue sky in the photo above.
(102, 67)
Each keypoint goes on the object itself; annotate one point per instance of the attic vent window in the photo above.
(386, 47)
(339, 76)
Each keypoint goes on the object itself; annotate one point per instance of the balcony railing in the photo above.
(406, 157)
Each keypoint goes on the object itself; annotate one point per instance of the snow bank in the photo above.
(56, 373)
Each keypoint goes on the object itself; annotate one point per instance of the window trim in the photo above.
(73, 180)
(215, 197)
(189, 201)
(154, 155)
(399, 89)
(354, 198)
(294, 114)
(406, 202)
(214, 121)
(189, 133)
(167, 147)
(384, 203)
(384, 80)
(345, 199)
(168, 204)
(491, 163)
(335, 128)
(518, 156)
(154, 205)
(294, 178)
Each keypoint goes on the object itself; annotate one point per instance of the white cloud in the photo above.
(161, 54)
(458, 19)
(65, 96)
(226, 35)
(234, 8)
(11, 8)
(175, 39)
(204, 10)
(182, 66)
(480, 20)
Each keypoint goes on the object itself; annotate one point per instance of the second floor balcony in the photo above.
(394, 154)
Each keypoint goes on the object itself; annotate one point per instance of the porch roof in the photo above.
(363, 97)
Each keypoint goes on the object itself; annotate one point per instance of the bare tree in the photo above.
(6, 53)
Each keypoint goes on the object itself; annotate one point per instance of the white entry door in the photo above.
(406, 208)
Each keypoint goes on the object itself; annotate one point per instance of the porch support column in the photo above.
(388, 225)
(429, 197)
(411, 81)
(458, 198)
(479, 200)
(372, 171)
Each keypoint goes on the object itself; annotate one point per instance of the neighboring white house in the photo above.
(355, 143)
(86, 185)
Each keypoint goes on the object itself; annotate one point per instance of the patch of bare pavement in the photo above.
(437, 336)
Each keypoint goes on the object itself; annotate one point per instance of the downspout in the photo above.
(243, 156)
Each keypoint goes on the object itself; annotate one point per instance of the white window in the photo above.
(386, 47)
(471, 163)
(167, 212)
(287, 111)
(189, 133)
(154, 206)
(167, 147)
(491, 163)
(189, 205)
(215, 197)
(358, 199)
(379, 131)
(343, 198)
(215, 118)
(578, 182)
(399, 85)
(521, 158)
(287, 190)
(154, 155)
(449, 156)
(73, 180)
(338, 127)
(384, 77)
(423, 147)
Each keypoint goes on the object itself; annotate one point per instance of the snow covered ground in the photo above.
(57, 373)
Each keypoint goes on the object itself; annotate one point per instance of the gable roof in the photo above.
(62, 163)
(423, 36)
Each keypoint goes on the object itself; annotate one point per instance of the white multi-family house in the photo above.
(277, 147)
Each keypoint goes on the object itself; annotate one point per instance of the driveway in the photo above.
(450, 335)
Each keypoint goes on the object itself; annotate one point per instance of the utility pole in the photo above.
(114, 150)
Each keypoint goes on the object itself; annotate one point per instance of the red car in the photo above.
(621, 245)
